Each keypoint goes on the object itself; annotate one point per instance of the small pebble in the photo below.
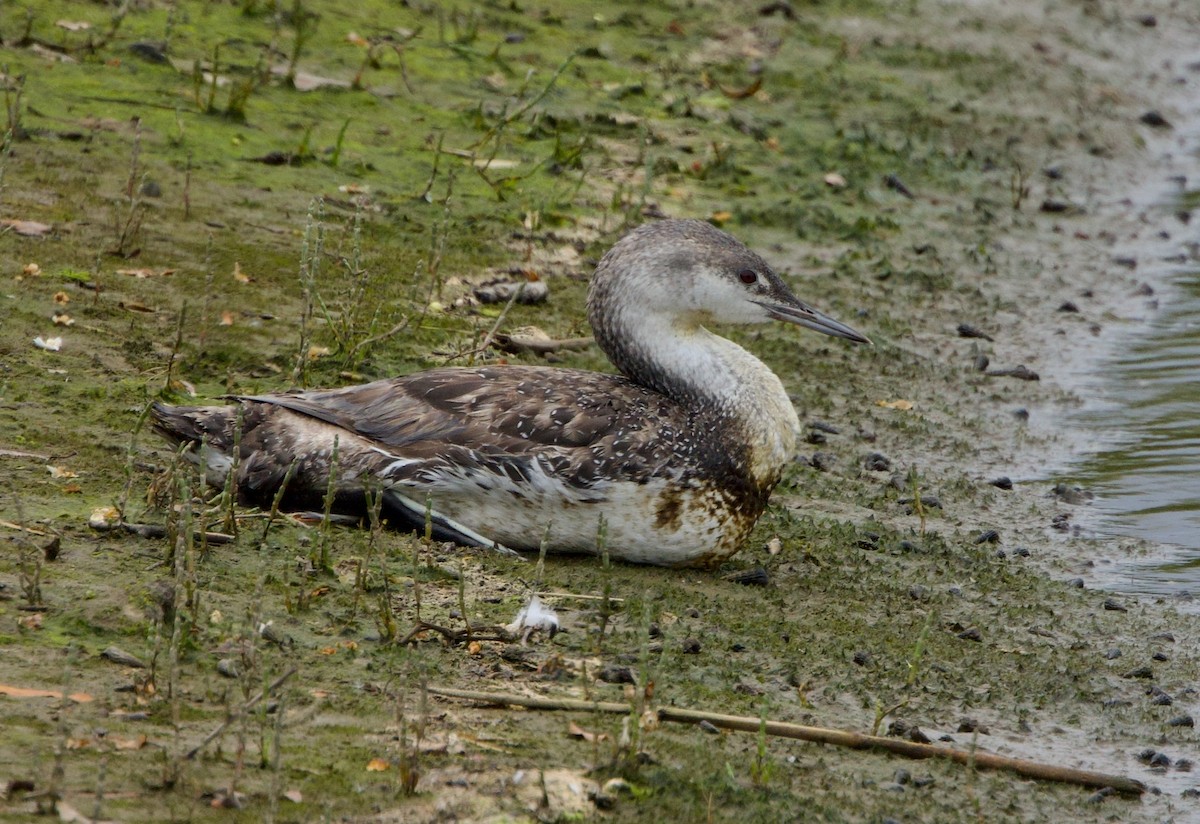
(1184, 765)
(966, 330)
(972, 725)
(1003, 482)
(822, 461)
(1068, 306)
(1140, 672)
(1160, 759)
(1148, 20)
(918, 592)
(613, 674)
(990, 536)
(1022, 551)
(690, 646)
(876, 462)
(1021, 414)
(1113, 605)
(1112, 653)
(923, 781)
(1182, 721)
(709, 728)
(971, 634)
(982, 362)
(816, 438)
(754, 577)
(821, 426)
(1163, 636)
(1076, 583)
(1100, 795)
(1159, 656)
(902, 776)
(862, 658)
(1155, 119)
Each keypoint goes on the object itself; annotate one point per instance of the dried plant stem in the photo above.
(820, 735)
(237, 713)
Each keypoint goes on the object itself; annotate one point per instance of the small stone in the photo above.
(614, 674)
(972, 725)
(1113, 605)
(862, 658)
(981, 362)
(877, 462)
(1160, 759)
(150, 188)
(1148, 20)
(918, 592)
(1155, 119)
(1184, 765)
(1163, 636)
(709, 727)
(1075, 583)
(1100, 794)
(604, 801)
(1182, 721)
(990, 536)
(827, 428)
(1190, 792)
(1140, 672)
(966, 330)
(923, 781)
(228, 667)
(822, 461)
(816, 438)
(1068, 306)
(1112, 653)
(690, 646)
(902, 776)
(869, 540)
(120, 656)
(1001, 554)
(1022, 551)
(972, 634)
(1159, 656)
(754, 577)
(1021, 414)
(1145, 755)
(1003, 482)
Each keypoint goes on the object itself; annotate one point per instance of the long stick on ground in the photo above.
(821, 735)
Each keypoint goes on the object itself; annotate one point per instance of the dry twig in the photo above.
(820, 735)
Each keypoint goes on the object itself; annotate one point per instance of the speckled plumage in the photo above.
(679, 455)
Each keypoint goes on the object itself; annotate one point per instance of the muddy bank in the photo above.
(991, 165)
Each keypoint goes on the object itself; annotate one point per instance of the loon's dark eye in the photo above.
(748, 276)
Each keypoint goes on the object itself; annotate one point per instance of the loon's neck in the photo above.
(678, 357)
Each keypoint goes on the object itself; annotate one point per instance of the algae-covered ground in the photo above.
(202, 198)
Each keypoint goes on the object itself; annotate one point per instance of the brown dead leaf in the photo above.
(902, 405)
(721, 217)
(59, 472)
(31, 621)
(62, 298)
(378, 765)
(135, 743)
(741, 94)
(327, 651)
(356, 39)
(104, 516)
(78, 743)
(31, 269)
(27, 228)
(315, 352)
(239, 275)
(226, 318)
(135, 306)
(73, 25)
(474, 648)
(72, 489)
(294, 796)
(25, 692)
(576, 731)
(145, 272)
(63, 319)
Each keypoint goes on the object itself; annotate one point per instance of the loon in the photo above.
(678, 454)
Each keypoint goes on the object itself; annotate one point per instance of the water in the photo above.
(1146, 476)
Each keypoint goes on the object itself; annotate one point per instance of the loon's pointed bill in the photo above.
(804, 315)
